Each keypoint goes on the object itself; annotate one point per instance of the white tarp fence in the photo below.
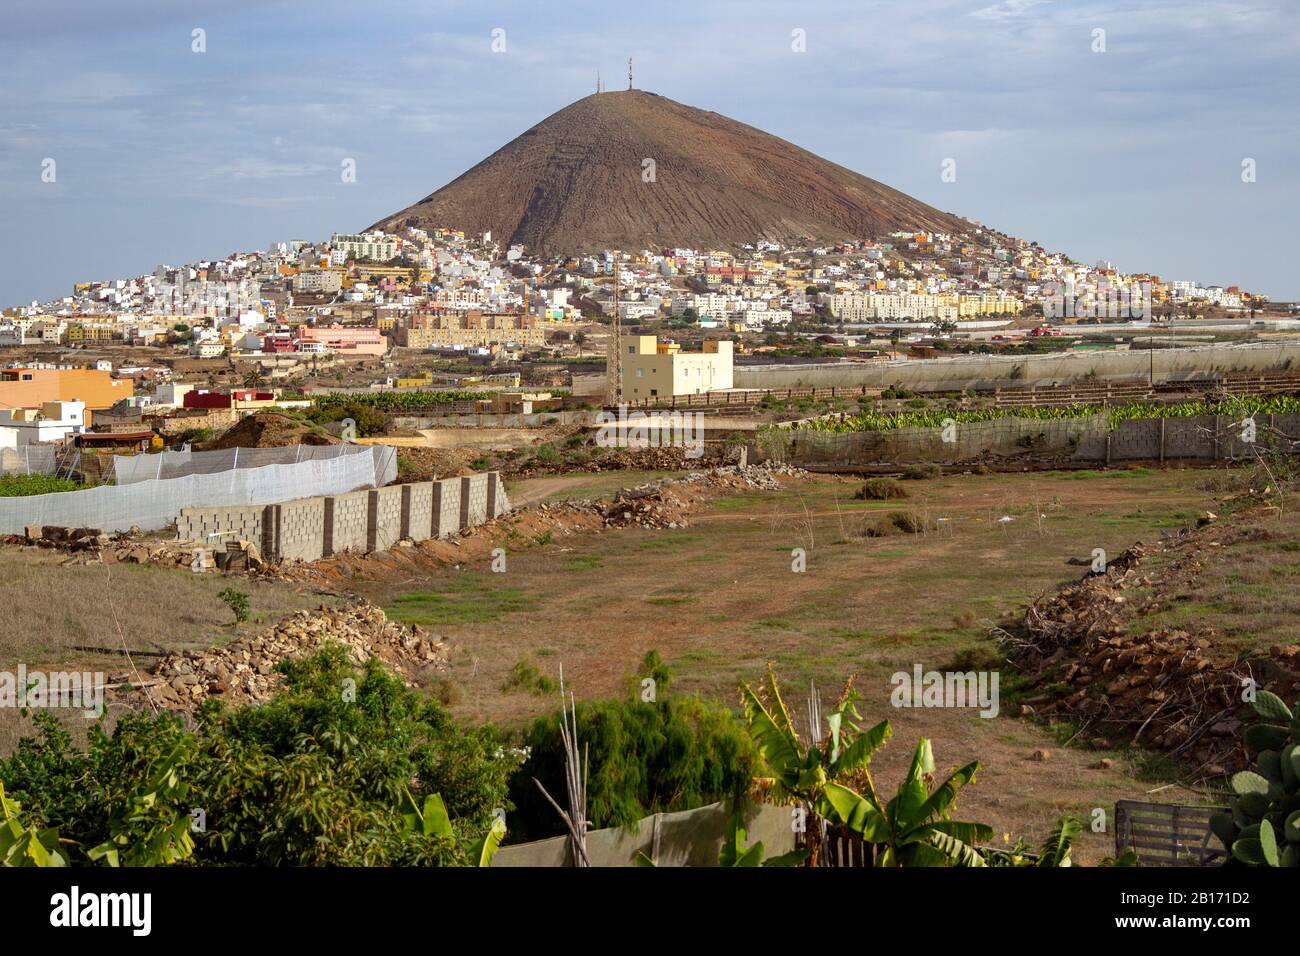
(31, 460)
(153, 504)
(178, 464)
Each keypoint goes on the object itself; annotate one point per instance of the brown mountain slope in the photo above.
(574, 182)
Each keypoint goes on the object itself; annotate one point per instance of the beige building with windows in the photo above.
(654, 369)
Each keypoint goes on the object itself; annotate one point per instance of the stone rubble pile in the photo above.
(92, 546)
(244, 670)
(647, 506)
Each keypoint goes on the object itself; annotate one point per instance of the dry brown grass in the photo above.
(85, 617)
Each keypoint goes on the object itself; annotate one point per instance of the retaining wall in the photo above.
(1137, 364)
(1083, 441)
(360, 521)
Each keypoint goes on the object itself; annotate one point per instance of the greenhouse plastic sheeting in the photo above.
(30, 460)
(178, 464)
(154, 504)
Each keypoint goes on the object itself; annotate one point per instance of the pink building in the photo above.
(348, 339)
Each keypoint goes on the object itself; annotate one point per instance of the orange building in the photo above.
(33, 387)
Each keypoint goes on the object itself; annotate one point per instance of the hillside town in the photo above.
(299, 308)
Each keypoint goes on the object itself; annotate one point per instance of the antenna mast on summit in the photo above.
(629, 73)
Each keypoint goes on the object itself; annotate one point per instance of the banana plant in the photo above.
(799, 773)
(915, 828)
(734, 853)
(1055, 850)
(152, 828)
(25, 845)
(432, 819)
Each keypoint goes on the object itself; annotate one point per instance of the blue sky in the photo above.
(166, 155)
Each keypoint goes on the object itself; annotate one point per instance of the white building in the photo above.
(53, 421)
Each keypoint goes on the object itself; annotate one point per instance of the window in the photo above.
(640, 373)
(631, 350)
(654, 391)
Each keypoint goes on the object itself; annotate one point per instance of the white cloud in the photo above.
(1008, 9)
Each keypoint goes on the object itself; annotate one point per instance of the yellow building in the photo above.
(654, 369)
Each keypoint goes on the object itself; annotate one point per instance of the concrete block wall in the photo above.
(384, 518)
(417, 510)
(446, 508)
(210, 525)
(473, 500)
(299, 529)
(366, 520)
(347, 524)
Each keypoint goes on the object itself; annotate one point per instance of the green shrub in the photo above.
(547, 454)
(672, 753)
(525, 675)
(237, 601)
(369, 420)
(20, 486)
(879, 528)
(923, 471)
(315, 776)
(880, 489)
(909, 522)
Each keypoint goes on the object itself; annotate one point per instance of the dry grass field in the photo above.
(720, 599)
(81, 617)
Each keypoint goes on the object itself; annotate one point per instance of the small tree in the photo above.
(237, 601)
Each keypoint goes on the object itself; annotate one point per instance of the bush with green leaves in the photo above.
(1262, 828)
(369, 420)
(880, 489)
(21, 843)
(237, 601)
(326, 773)
(672, 752)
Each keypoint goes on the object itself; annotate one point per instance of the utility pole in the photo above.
(616, 382)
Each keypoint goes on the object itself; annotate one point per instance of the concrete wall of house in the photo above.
(360, 521)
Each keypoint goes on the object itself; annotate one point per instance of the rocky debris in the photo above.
(1170, 688)
(647, 506)
(92, 546)
(245, 671)
(62, 539)
(762, 477)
